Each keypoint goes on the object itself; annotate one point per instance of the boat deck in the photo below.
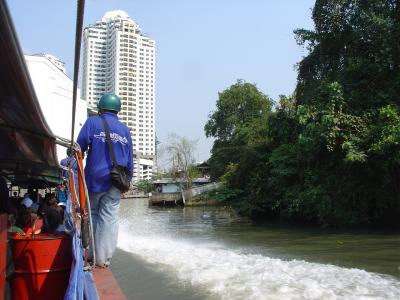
(107, 286)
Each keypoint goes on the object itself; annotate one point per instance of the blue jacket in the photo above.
(92, 138)
(70, 162)
(62, 196)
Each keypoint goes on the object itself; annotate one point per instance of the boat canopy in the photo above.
(27, 145)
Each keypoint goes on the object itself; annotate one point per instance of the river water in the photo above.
(211, 253)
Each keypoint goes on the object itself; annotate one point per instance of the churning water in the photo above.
(229, 258)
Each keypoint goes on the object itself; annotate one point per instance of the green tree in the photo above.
(241, 113)
(347, 105)
(330, 153)
(144, 186)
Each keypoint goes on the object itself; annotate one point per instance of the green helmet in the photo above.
(109, 102)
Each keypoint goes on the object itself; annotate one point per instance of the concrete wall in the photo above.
(165, 198)
(201, 189)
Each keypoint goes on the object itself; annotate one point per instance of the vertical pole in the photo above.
(78, 38)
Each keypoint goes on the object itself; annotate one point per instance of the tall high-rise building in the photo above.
(118, 58)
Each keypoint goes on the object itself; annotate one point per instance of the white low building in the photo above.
(54, 91)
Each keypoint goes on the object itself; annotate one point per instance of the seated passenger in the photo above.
(61, 227)
(61, 194)
(29, 221)
(50, 201)
(52, 220)
(28, 203)
(27, 217)
(12, 228)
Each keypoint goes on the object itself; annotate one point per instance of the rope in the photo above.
(78, 39)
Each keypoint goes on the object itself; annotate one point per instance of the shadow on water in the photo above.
(141, 280)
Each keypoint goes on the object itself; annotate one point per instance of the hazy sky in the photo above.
(202, 47)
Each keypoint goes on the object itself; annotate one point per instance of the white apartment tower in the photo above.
(118, 58)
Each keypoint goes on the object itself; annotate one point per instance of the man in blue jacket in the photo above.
(69, 162)
(105, 198)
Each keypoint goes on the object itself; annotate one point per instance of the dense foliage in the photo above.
(144, 185)
(329, 154)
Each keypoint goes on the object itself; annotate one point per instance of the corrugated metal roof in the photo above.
(180, 180)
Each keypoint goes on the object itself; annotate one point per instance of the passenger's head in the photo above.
(109, 102)
(47, 198)
(25, 218)
(51, 220)
(52, 202)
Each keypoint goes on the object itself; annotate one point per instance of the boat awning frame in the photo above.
(27, 146)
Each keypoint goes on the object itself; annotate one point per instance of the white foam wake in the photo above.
(235, 275)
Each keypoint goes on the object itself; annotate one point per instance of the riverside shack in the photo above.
(170, 191)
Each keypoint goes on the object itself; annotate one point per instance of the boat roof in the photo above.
(180, 180)
(27, 149)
